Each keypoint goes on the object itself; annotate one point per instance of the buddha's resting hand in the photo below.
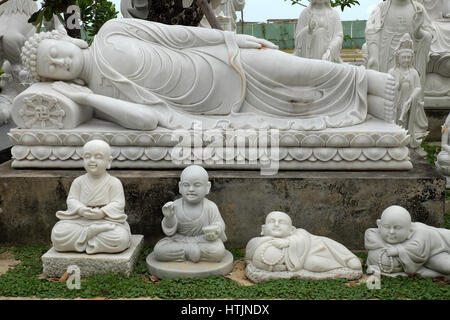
(245, 41)
(211, 232)
(327, 55)
(392, 252)
(91, 213)
(168, 210)
(76, 93)
(280, 243)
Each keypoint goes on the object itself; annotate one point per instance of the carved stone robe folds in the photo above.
(328, 34)
(71, 233)
(424, 243)
(186, 238)
(186, 73)
(305, 252)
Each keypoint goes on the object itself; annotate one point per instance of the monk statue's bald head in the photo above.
(194, 184)
(278, 224)
(395, 224)
(97, 157)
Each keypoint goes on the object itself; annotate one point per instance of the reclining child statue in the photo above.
(283, 252)
(143, 74)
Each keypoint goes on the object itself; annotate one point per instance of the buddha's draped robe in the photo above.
(186, 239)
(305, 252)
(71, 233)
(414, 253)
(188, 74)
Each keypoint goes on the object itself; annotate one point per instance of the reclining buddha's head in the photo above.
(395, 225)
(278, 224)
(53, 56)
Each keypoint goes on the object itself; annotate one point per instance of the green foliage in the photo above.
(23, 281)
(334, 3)
(93, 13)
(431, 151)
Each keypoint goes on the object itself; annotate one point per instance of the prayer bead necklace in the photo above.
(263, 251)
(391, 260)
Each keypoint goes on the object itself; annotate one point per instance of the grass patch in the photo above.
(23, 281)
(432, 152)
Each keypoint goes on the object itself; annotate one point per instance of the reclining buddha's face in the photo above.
(278, 225)
(395, 225)
(59, 60)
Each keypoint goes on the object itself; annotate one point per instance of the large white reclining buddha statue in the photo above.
(144, 87)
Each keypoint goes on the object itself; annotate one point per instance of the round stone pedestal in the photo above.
(187, 269)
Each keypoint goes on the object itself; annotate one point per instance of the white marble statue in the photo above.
(389, 21)
(193, 225)
(8, 93)
(95, 221)
(144, 74)
(225, 11)
(409, 103)
(14, 31)
(401, 247)
(443, 157)
(319, 33)
(284, 251)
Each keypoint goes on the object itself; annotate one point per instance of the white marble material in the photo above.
(319, 33)
(193, 225)
(401, 247)
(219, 80)
(388, 22)
(443, 157)
(95, 221)
(55, 263)
(409, 103)
(226, 13)
(284, 251)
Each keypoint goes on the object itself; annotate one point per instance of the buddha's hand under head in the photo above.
(168, 210)
(72, 91)
(245, 41)
(211, 232)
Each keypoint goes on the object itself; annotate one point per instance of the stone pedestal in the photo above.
(187, 269)
(55, 263)
(340, 205)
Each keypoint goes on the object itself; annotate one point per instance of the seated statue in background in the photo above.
(409, 103)
(443, 157)
(193, 225)
(319, 33)
(401, 247)
(284, 251)
(95, 221)
(144, 74)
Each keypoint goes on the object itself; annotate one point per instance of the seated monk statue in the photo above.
(401, 247)
(144, 74)
(194, 228)
(284, 248)
(94, 221)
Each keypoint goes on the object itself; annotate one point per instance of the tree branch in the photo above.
(209, 13)
(3, 1)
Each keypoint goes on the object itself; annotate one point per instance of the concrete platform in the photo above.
(337, 204)
(55, 263)
(189, 269)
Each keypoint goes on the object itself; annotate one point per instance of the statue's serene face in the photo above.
(405, 58)
(278, 224)
(96, 158)
(194, 185)
(394, 226)
(59, 60)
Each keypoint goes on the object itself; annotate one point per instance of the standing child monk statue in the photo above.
(95, 220)
(193, 225)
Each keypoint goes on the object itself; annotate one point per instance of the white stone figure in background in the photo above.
(401, 247)
(443, 157)
(409, 103)
(437, 9)
(226, 13)
(319, 33)
(8, 93)
(95, 221)
(14, 31)
(193, 225)
(387, 24)
(283, 251)
(202, 75)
